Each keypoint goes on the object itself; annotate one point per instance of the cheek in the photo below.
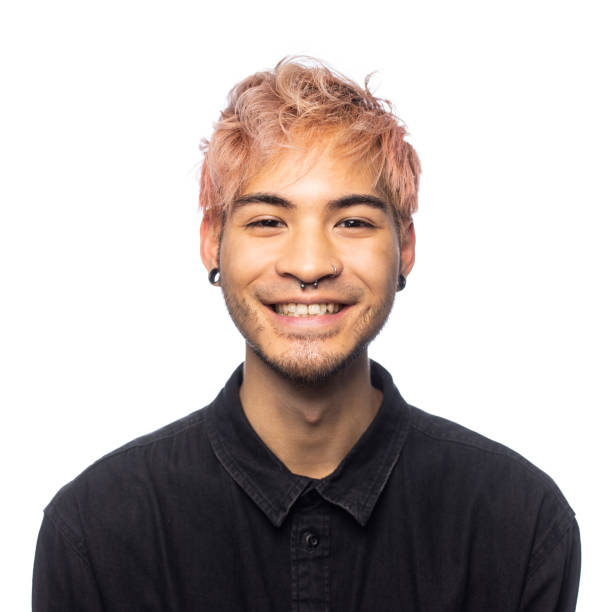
(377, 265)
(242, 263)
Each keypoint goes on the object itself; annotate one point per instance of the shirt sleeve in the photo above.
(552, 585)
(63, 579)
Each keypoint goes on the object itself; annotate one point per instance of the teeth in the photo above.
(304, 310)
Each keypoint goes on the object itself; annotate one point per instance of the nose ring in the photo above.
(315, 284)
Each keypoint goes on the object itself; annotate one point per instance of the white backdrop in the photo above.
(109, 328)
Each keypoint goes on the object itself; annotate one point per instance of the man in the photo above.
(309, 484)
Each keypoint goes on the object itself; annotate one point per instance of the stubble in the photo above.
(307, 362)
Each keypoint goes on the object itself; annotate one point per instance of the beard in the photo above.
(308, 362)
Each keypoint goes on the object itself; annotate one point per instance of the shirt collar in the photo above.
(355, 484)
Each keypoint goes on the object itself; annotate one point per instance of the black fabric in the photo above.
(421, 515)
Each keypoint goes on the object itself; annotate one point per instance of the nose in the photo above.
(308, 256)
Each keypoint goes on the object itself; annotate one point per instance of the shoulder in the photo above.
(120, 486)
(443, 443)
(473, 451)
(488, 480)
(147, 450)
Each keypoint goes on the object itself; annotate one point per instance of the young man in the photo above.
(309, 484)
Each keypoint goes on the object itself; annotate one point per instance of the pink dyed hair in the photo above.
(304, 101)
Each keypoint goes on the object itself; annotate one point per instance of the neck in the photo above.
(310, 428)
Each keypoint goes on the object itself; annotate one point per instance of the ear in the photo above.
(209, 243)
(407, 248)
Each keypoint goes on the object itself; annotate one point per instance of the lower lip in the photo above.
(310, 320)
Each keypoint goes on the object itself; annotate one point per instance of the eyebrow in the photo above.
(337, 204)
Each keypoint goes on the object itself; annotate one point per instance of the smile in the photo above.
(294, 309)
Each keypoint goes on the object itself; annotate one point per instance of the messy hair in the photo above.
(303, 101)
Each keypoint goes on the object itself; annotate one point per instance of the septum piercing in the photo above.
(315, 284)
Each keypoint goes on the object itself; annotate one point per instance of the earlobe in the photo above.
(407, 249)
(209, 244)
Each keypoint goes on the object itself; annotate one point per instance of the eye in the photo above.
(355, 223)
(266, 223)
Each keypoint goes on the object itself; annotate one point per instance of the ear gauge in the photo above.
(214, 276)
(401, 282)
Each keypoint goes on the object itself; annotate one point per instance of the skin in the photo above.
(306, 389)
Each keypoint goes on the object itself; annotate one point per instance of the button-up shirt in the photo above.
(421, 515)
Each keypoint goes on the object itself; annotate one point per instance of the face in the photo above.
(306, 219)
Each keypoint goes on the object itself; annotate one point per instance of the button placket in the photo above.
(310, 550)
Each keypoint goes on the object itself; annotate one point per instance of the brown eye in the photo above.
(355, 223)
(265, 223)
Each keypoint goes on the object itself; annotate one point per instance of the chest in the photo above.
(228, 556)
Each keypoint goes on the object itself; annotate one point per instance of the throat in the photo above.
(309, 430)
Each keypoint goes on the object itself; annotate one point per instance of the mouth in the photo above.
(298, 309)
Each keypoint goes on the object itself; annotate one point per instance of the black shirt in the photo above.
(421, 515)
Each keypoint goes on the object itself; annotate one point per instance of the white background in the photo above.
(109, 328)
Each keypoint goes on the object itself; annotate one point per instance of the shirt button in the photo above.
(311, 539)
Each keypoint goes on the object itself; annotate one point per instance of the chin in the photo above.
(306, 365)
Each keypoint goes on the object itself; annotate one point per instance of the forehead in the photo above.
(315, 173)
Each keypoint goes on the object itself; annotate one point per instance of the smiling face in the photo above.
(304, 219)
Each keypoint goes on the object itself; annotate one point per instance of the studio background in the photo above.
(109, 327)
